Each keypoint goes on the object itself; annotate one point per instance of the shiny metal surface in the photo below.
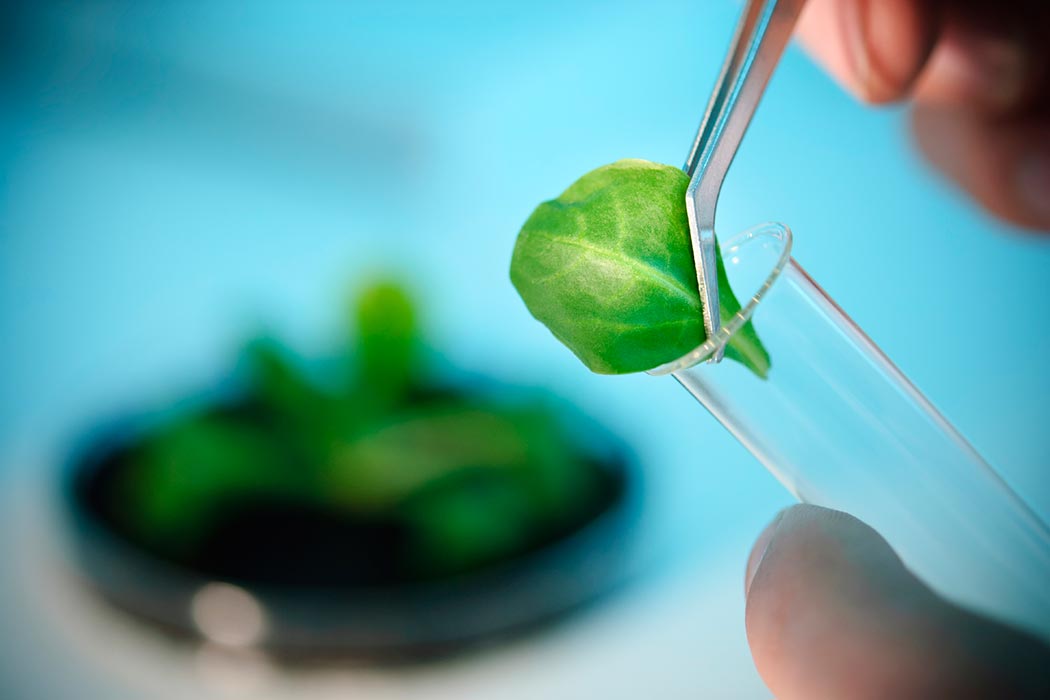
(759, 40)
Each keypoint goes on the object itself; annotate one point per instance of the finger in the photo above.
(875, 48)
(1003, 163)
(992, 74)
(832, 613)
(990, 57)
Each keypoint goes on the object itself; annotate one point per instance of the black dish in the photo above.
(316, 604)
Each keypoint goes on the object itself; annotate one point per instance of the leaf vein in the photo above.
(656, 274)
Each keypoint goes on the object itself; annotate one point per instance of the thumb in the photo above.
(833, 613)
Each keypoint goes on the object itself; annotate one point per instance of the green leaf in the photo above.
(187, 474)
(479, 517)
(475, 481)
(388, 345)
(303, 418)
(608, 268)
(415, 450)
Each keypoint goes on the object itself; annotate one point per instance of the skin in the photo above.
(831, 611)
(977, 75)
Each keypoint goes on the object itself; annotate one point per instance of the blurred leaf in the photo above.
(276, 379)
(480, 517)
(188, 473)
(304, 418)
(471, 479)
(557, 477)
(383, 467)
(388, 345)
(477, 481)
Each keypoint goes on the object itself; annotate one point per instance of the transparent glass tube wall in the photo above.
(839, 425)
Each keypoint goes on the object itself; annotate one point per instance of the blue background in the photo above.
(174, 176)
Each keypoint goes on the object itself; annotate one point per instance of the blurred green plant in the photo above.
(470, 479)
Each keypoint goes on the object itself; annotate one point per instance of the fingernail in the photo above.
(856, 37)
(887, 46)
(758, 552)
(880, 28)
(1033, 182)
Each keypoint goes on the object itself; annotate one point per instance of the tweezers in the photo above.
(761, 35)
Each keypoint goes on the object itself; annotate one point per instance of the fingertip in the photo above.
(832, 608)
(759, 550)
(875, 48)
(833, 612)
(898, 39)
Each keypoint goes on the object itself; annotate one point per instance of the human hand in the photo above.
(833, 613)
(979, 74)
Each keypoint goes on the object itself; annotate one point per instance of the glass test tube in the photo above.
(840, 426)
